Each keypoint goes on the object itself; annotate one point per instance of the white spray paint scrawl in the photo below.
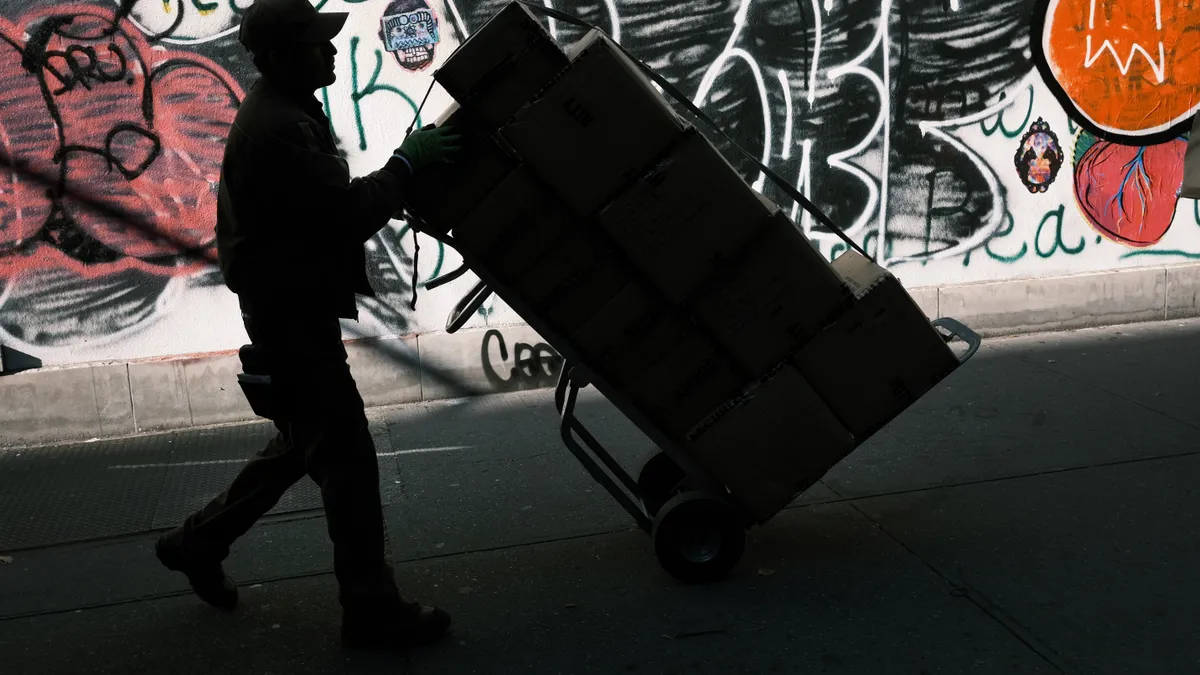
(411, 36)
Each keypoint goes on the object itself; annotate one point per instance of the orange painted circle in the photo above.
(1131, 67)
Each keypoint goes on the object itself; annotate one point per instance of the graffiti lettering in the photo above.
(534, 365)
(869, 243)
(947, 199)
(1057, 242)
(1003, 128)
(1004, 232)
(441, 252)
(372, 87)
(901, 121)
(950, 100)
(89, 67)
(112, 154)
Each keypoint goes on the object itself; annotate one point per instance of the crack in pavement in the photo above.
(1097, 387)
(963, 590)
(318, 512)
(325, 571)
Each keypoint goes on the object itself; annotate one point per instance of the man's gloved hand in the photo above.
(430, 145)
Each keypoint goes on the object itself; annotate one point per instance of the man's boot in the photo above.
(208, 579)
(409, 625)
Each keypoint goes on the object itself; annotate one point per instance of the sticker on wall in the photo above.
(1039, 157)
(1127, 193)
(409, 30)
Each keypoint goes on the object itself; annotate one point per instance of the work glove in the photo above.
(430, 145)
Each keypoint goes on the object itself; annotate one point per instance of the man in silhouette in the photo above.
(291, 227)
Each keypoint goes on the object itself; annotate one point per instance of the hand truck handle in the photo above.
(467, 306)
(470, 302)
(960, 331)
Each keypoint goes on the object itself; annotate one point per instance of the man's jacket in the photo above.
(291, 222)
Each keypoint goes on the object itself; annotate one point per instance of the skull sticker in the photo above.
(409, 30)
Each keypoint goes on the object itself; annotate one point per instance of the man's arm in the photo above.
(322, 192)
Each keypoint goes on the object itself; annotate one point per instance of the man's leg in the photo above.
(341, 460)
(201, 543)
(209, 532)
(340, 456)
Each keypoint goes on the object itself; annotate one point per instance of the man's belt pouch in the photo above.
(255, 382)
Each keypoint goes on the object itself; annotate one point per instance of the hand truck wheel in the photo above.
(658, 481)
(698, 537)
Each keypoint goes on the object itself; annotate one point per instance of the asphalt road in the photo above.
(1034, 514)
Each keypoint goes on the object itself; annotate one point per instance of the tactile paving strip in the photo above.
(68, 493)
(65, 493)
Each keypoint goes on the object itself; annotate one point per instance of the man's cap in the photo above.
(276, 23)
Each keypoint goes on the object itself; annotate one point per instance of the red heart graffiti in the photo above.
(1129, 193)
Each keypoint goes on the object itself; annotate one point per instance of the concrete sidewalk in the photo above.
(1035, 514)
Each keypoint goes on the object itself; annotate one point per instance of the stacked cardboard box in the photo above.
(771, 443)
(498, 70)
(633, 238)
(680, 219)
(842, 385)
(597, 126)
(443, 195)
(773, 294)
(503, 66)
(516, 226)
(878, 358)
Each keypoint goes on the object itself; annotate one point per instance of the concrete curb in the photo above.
(101, 400)
(104, 400)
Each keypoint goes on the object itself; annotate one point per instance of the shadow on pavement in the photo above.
(1034, 514)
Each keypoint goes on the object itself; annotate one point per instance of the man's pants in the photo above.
(322, 432)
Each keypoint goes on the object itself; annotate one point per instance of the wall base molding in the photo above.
(117, 399)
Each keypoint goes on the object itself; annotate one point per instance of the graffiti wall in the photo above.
(960, 140)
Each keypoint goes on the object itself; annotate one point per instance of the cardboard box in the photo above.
(607, 328)
(771, 444)
(583, 293)
(503, 66)
(642, 342)
(775, 294)
(678, 221)
(686, 384)
(444, 194)
(595, 128)
(880, 356)
(515, 226)
(574, 280)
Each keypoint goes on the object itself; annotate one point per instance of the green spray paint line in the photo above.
(1002, 128)
(357, 95)
(1162, 253)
